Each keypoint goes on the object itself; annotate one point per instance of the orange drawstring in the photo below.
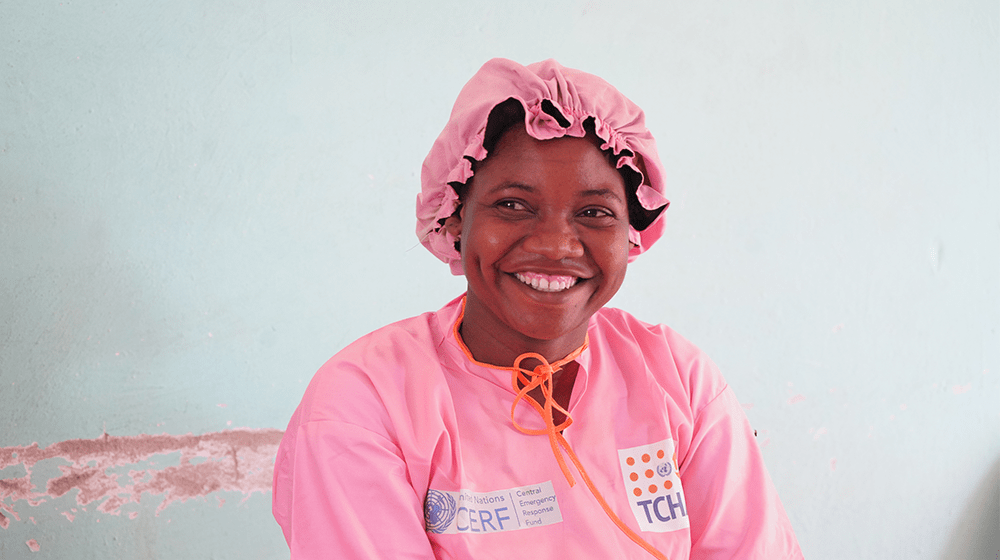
(541, 376)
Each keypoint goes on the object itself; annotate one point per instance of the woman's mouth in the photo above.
(546, 282)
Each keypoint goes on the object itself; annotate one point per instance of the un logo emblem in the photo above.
(664, 469)
(439, 511)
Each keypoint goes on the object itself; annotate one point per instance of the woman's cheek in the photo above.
(493, 240)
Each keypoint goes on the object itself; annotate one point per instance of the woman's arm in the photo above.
(732, 504)
(342, 491)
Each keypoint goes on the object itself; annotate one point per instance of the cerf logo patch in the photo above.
(468, 512)
(654, 486)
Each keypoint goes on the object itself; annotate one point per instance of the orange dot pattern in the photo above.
(634, 476)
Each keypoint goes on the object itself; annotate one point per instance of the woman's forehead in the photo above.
(518, 135)
(515, 147)
(531, 164)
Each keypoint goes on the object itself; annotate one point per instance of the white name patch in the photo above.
(464, 511)
(654, 486)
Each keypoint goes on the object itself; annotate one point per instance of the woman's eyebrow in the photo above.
(512, 185)
(602, 192)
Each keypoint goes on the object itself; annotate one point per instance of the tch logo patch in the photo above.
(654, 486)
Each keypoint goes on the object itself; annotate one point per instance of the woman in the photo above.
(463, 433)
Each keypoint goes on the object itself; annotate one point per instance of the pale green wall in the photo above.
(201, 202)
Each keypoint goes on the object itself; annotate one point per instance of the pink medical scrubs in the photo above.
(403, 447)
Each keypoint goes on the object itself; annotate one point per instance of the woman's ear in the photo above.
(453, 223)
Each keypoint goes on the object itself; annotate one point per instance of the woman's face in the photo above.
(544, 243)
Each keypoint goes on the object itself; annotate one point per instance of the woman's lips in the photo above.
(546, 282)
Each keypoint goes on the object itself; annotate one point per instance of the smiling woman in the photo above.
(543, 232)
(417, 440)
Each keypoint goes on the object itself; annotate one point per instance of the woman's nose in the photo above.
(554, 239)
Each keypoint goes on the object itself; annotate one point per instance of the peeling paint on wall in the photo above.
(111, 471)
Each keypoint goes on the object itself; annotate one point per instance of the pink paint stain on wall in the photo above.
(239, 460)
(33, 545)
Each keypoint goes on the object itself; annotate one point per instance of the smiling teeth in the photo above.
(544, 283)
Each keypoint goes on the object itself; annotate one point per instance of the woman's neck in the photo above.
(489, 349)
(495, 345)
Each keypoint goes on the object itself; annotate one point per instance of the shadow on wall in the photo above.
(977, 536)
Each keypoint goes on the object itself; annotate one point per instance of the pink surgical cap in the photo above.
(578, 96)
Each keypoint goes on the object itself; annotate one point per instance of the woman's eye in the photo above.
(596, 213)
(510, 205)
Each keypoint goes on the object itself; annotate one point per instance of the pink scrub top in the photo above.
(403, 447)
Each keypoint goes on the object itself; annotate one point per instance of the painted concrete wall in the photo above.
(201, 202)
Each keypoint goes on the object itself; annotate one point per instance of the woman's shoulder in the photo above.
(398, 342)
(672, 360)
(613, 322)
(393, 342)
(375, 368)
